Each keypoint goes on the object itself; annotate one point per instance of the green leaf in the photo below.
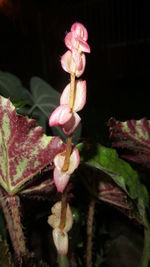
(45, 98)
(121, 173)
(11, 86)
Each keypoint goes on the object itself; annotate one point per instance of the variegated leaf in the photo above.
(24, 149)
(133, 135)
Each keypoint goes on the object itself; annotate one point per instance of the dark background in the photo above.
(117, 70)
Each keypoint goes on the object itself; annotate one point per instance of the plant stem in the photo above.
(63, 261)
(69, 139)
(72, 90)
(9, 221)
(89, 233)
(14, 205)
(63, 210)
(10, 206)
(146, 250)
(68, 153)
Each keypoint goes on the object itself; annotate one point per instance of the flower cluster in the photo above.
(72, 100)
(60, 236)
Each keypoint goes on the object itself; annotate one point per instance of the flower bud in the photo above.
(79, 30)
(61, 178)
(61, 241)
(80, 95)
(69, 64)
(54, 219)
(75, 42)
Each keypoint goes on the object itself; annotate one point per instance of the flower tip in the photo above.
(79, 30)
(60, 179)
(61, 241)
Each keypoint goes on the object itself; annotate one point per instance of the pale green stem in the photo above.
(63, 261)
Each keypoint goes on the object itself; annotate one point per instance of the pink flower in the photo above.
(61, 178)
(70, 126)
(60, 238)
(79, 31)
(80, 95)
(60, 116)
(75, 42)
(63, 116)
(73, 62)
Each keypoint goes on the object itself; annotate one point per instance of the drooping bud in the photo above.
(61, 178)
(63, 117)
(61, 241)
(54, 219)
(60, 116)
(60, 236)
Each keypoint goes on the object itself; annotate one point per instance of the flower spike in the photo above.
(72, 100)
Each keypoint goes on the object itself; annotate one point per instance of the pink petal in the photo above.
(60, 115)
(74, 161)
(70, 126)
(71, 42)
(80, 95)
(80, 72)
(84, 46)
(77, 43)
(79, 30)
(61, 241)
(59, 160)
(61, 179)
(68, 62)
(77, 59)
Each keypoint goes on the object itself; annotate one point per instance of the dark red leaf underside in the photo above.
(134, 137)
(113, 194)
